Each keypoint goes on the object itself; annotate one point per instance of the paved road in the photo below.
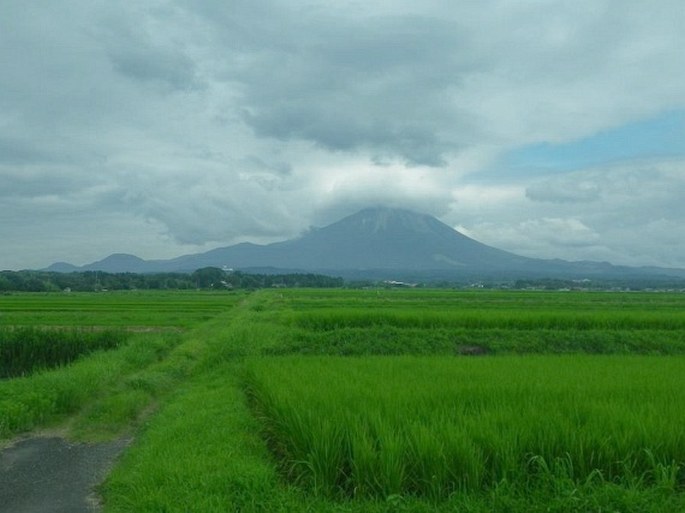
(51, 475)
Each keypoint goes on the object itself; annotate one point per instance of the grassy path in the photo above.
(102, 398)
(102, 395)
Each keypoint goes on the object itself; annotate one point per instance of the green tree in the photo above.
(208, 277)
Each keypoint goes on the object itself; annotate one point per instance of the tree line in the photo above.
(205, 278)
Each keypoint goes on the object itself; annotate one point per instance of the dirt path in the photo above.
(52, 475)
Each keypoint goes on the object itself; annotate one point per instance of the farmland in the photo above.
(364, 400)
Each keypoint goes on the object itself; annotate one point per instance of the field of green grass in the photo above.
(363, 400)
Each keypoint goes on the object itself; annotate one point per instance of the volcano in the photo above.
(379, 243)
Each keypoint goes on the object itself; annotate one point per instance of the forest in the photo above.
(205, 278)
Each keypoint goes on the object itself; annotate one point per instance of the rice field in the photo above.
(369, 394)
(432, 427)
(366, 401)
(132, 310)
(24, 350)
(391, 322)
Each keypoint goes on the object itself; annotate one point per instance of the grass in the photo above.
(45, 398)
(372, 434)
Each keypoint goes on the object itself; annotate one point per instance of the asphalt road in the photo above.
(52, 475)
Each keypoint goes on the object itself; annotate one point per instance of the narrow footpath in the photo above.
(53, 475)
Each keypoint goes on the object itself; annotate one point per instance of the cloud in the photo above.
(15, 151)
(139, 51)
(172, 70)
(208, 208)
(341, 82)
(423, 86)
(209, 122)
(563, 191)
(630, 213)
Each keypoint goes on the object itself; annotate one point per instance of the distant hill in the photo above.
(62, 267)
(379, 243)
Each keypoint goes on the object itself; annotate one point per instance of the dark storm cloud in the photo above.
(31, 184)
(17, 152)
(138, 52)
(379, 84)
(171, 69)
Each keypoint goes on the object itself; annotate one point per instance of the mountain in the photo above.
(380, 243)
(62, 267)
(116, 263)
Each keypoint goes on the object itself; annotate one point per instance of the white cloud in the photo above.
(534, 237)
(630, 213)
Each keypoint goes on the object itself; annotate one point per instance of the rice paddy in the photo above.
(27, 349)
(369, 401)
(430, 427)
(132, 310)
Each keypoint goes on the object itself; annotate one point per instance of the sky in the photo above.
(548, 128)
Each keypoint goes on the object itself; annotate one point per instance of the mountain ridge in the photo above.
(377, 242)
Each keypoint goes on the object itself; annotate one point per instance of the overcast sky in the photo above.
(548, 128)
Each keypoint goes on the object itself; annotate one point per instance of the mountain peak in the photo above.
(383, 219)
(117, 263)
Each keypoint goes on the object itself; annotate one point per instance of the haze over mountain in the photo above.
(378, 243)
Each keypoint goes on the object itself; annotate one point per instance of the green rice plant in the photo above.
(26, 350)
(489, 319)
(431, 427)
(133, 310)
(441, 322)
(393, 340)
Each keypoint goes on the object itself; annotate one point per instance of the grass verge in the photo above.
(48, 397)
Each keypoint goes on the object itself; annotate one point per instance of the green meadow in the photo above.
(381, 400)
